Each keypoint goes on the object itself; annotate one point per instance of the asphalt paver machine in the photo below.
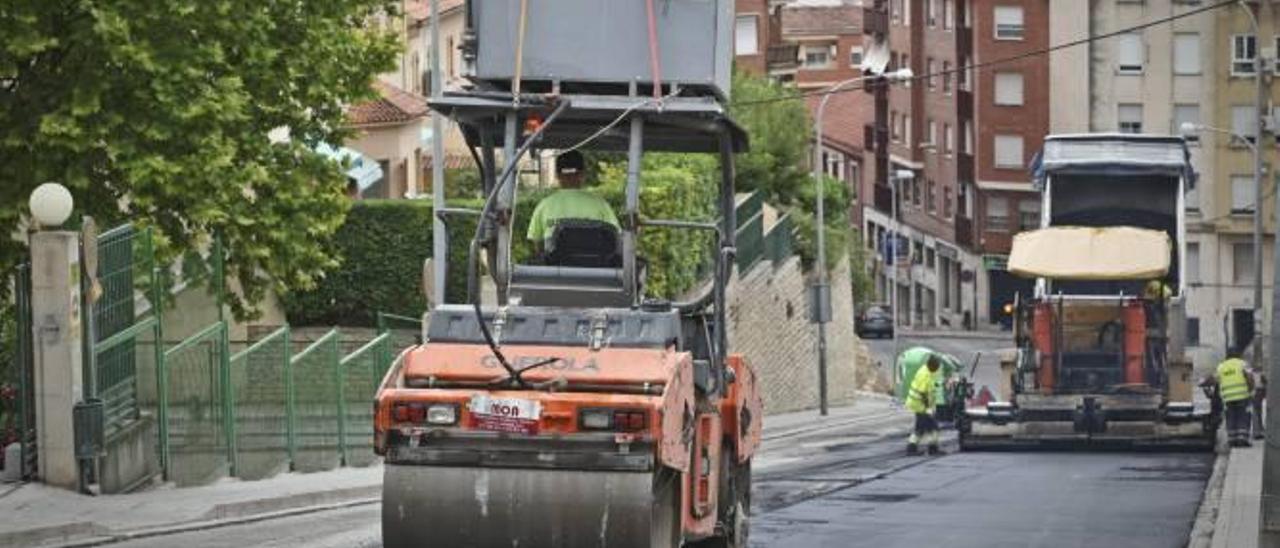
(574, 411)
(1099, 355)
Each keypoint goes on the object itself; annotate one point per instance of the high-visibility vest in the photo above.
(920, 396)
(1232, 384)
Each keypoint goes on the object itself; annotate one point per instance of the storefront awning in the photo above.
(363, 170)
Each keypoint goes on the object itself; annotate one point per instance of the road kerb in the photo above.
(203, 525)
(1202, 530)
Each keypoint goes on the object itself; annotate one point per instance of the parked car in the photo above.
(875, 321)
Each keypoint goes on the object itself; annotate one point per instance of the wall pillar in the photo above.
(56, 331)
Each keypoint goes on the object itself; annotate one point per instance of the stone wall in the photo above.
(769, 324)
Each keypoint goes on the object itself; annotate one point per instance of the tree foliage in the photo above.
(158, 113)
(779, 133)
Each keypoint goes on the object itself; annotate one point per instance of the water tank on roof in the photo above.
(606, 42)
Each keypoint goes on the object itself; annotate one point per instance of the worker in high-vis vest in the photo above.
(1235, 389)
(922, 400)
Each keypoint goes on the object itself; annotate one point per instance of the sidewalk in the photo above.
(1236, 525)
(36, 515)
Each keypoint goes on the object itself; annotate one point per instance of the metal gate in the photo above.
(23, 421)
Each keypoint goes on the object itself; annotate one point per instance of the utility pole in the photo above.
(1269, 521)
(439, 237)
(820, 299)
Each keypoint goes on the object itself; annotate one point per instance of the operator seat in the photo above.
(584, 243)
(581, 268)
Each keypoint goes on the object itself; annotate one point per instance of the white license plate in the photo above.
(513, 415)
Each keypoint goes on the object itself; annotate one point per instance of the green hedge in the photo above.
(381, 248)
(383, 243)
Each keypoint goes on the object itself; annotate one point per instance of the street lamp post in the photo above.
(895, 178)
(821, 300)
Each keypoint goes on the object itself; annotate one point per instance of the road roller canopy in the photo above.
(672, 124)
(1091, 253)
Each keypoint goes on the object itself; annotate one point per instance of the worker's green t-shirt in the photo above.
(568, 204)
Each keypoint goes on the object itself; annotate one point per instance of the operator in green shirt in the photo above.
(570, 202)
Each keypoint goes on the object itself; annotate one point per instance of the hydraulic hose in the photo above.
(486, 214)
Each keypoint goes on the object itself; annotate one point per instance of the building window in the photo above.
(1008, 88)
(933, 134)
(1185, 114)
(895, 11)
(1186, 53)
(930, 73)
(906, 12)
(948, 139)
(746, 36)
(1028, 214)
(855, 56)
(1193, 263)
(1244, 48)
(1129, 118)
(930, 258)
(906, 63)
(966, 145)
(1242, 264)
(1244, 121)
(930, 197)
(1192, 198)
(931, 12)
(948, 14)
(893, 126)
(1276, 68)
(946, 77)
(962, 75)
(906, 129)
(946, 203)
(817, 56)
(1008, 151)
(1242, 193)
(997, 213)
(915, 192)
(1130, 55)
(1008, 22)
(1193, 331)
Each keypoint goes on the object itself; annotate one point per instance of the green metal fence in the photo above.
(316, 419)
(195, 435)
(404, 330)
(361, 371)
(261, 410)
(778, 241)
(126, 270)
(20, 422)
(260, 381)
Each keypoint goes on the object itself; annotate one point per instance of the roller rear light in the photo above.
(613, 420)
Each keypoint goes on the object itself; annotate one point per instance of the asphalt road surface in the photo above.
(852, 486)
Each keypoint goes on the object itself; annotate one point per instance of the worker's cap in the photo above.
(570, 163)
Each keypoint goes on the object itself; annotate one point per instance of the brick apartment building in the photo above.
(967, 137)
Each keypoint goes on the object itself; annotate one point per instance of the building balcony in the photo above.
(964, 43)
(875, 20)
(884, 199)
(784, 57)
(964, 105)
(964, 167)
(964, 232)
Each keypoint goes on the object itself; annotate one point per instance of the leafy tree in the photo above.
(779, 131)
(158, 112)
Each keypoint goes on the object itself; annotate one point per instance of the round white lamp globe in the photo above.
(51, 204)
